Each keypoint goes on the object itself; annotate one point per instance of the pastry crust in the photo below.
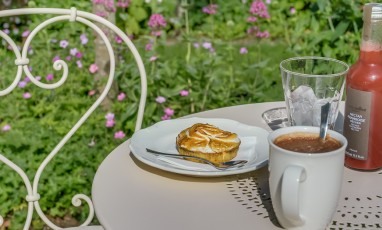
(209, 142)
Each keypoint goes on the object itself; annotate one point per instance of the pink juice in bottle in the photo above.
(363, 107)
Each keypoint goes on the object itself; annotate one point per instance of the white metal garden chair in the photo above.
(22, 61)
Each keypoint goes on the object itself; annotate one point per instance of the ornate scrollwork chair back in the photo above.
(22, 65)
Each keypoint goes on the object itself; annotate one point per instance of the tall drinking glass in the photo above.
(309, 83)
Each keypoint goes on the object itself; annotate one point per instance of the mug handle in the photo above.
(290, 189)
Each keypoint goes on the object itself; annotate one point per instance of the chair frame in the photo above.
(22, 61)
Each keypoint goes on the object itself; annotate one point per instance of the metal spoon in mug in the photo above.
(324, 120)
(220, 166)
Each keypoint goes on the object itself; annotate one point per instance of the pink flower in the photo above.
(118, 39)
(6, 128)
(160, 99)
(121, 97)
(119, 135)
(264, 14)
(79, 64)
(109, 116)
(243, 50)
(207, 45)
(73, 51)
(26, 79)
(157, 21)
(252, 30)
(22, 84)
(79, 54)
(196, 45)
(84, 39)
(101, 13)
(68, 58)
(110, 6)
(98, 2)
(93, 68)
(165, 117)
(56, 58)
(168, 111)
(110, 123)
(64, 43)
(259, 8)
(156, 33)
(49, 77)
(264, 34)
(210, 9)
(153, 58)
(251, 19)
(149, 47)
(91, 92)
(292, 10)
(27, 95)
(183, 93)
(25, 33)
(123, 3)
(38, 78)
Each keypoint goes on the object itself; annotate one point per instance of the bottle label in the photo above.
(357, 121)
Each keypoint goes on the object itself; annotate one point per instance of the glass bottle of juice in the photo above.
(363, 106)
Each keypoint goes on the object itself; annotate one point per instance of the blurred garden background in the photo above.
(198, 54)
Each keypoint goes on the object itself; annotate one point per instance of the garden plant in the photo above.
(198, 54)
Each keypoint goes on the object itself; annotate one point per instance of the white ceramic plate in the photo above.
(162, 135)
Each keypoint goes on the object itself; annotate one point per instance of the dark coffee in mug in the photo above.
(307, 143)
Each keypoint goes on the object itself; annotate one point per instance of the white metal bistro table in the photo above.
(129, 194)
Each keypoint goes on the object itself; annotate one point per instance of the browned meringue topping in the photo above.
(207, 138)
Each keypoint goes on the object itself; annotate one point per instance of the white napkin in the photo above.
(246, 152)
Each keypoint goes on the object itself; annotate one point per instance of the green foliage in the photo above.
(329, 28)
(217, 77)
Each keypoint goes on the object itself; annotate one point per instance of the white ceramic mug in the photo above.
(304, 187)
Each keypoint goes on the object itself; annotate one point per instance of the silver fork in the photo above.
(220, 166)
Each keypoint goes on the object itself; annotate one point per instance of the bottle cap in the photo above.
(372, 11)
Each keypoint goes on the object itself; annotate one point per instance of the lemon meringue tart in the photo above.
(209, 142)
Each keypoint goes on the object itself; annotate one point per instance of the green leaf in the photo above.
(167, 92)
(31, 4)
(299, 5)
(340, 30)
(123, 16)
(322, 4)
(327, 51)
(131, 110)
(314, 24)
(132, 26)
(138, 13)
(191, 70)
(150, 109)
(136, 3)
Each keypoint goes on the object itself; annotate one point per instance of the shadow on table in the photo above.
(258, 182)
(179, 177)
